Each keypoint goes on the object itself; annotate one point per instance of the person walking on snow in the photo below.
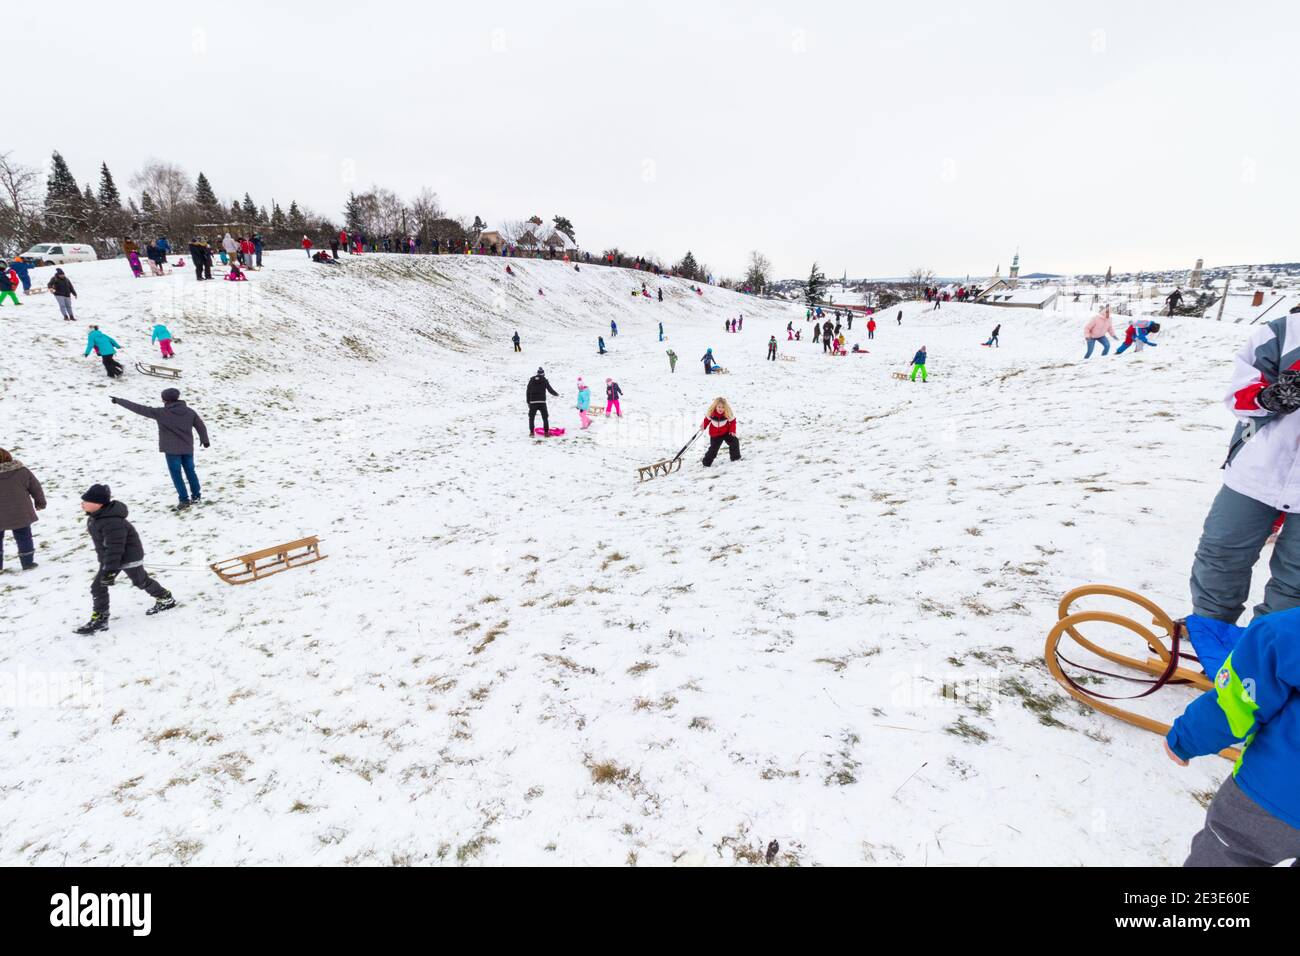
(817, 331)
(918, 364)
(771, 348)
(1099, 330)
(21, 496)
(105, 348)
(584, 404)
(849, 318)
(871, 328)
(993, 339)
(1260, 481)
(600, 345)
(710, 363)
(538, 388)
(721, 423)
(515, 339)
(23, 268)
(613, 328)
(306, 244)
(612, 395)
(118, 549)
(661, 331)
(9, 285)
(64, 293)
(176, 424)
(900, 317)
(1254, 819)
(230, 247)
(1173, 300)
(672, 361)
(163, 337)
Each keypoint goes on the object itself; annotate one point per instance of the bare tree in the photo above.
(425, 209)
(168, 186)
(19, 205)
(759, 273)
(917, 282)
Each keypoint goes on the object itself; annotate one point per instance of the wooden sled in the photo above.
(786, 358)
(158, 371)
(1168, 650)
(899, 375)
(659, 469)
(260, 564)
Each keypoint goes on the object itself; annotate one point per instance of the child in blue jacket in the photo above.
(103, 346)
(1254, 819)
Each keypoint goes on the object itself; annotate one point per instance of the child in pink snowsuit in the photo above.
(612, 392)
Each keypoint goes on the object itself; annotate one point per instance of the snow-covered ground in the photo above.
(515, 653)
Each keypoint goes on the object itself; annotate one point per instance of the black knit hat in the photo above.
(98, 494)
(171, 395)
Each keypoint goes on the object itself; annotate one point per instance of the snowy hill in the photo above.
(514, 652)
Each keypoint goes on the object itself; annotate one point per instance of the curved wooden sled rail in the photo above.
(1163, 667)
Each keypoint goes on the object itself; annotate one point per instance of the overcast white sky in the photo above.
(874, 138)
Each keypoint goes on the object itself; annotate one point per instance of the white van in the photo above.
(57, 253)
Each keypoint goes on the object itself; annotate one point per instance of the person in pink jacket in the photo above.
(1097, 330)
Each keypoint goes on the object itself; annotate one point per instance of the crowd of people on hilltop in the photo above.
(960, 294)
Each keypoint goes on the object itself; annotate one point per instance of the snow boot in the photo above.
(162, 604)
(97, 622)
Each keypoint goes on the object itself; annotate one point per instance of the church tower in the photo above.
(1014, 277)
(1195, 281)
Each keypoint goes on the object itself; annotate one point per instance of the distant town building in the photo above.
(1195, 281)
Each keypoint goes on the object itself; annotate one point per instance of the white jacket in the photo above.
(1264, 458)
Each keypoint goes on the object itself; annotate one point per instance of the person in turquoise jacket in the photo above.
(103, 346)
(163, 337)
(584, 403)
(1254, 819)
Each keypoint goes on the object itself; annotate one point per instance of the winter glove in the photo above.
(1283, 396)
(108, 578)
(206, 444)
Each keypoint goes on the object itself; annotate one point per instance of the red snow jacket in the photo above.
(719, 426)
(306, 243)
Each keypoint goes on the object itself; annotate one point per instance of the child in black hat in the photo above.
(118, 548)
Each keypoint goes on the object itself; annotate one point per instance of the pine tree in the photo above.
(249, 210)
(296, 220)
(64, 206)
(147, 206)
(688, 267)
(262, 217)
(352, 213)
(563, 224)
(204, 197)
(815, 287)
(277, 218)
(109, 198)
(236, 213)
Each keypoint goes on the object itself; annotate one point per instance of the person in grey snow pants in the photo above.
(1234, 534)
(1239, 832)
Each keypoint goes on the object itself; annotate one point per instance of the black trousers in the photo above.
(771, 352)
(533, 409)
(733, 446)
(111, 366)
(137, 575)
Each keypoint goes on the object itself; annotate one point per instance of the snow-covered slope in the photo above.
(516, 653)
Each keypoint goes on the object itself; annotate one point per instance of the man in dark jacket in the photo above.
(118, 548)
(538, 387)
(202, 258)
(176, 424)
(64, 293)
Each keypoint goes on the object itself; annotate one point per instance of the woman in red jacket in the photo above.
(721, 422)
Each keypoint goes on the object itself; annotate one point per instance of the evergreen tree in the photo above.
(204, 197)
(147, 206)
(688, 267)
(815, 287)
(296, 220)
(262, 217)
(109, 198)
(249, 211)
(563, 224)
(64, 206)
(278, 223)
(236, 214)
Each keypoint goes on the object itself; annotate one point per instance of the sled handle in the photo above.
(688, 445)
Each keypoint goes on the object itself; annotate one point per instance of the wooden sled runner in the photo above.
(661, 469)
(260, 564)
(1168, 650)
(158, 371)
